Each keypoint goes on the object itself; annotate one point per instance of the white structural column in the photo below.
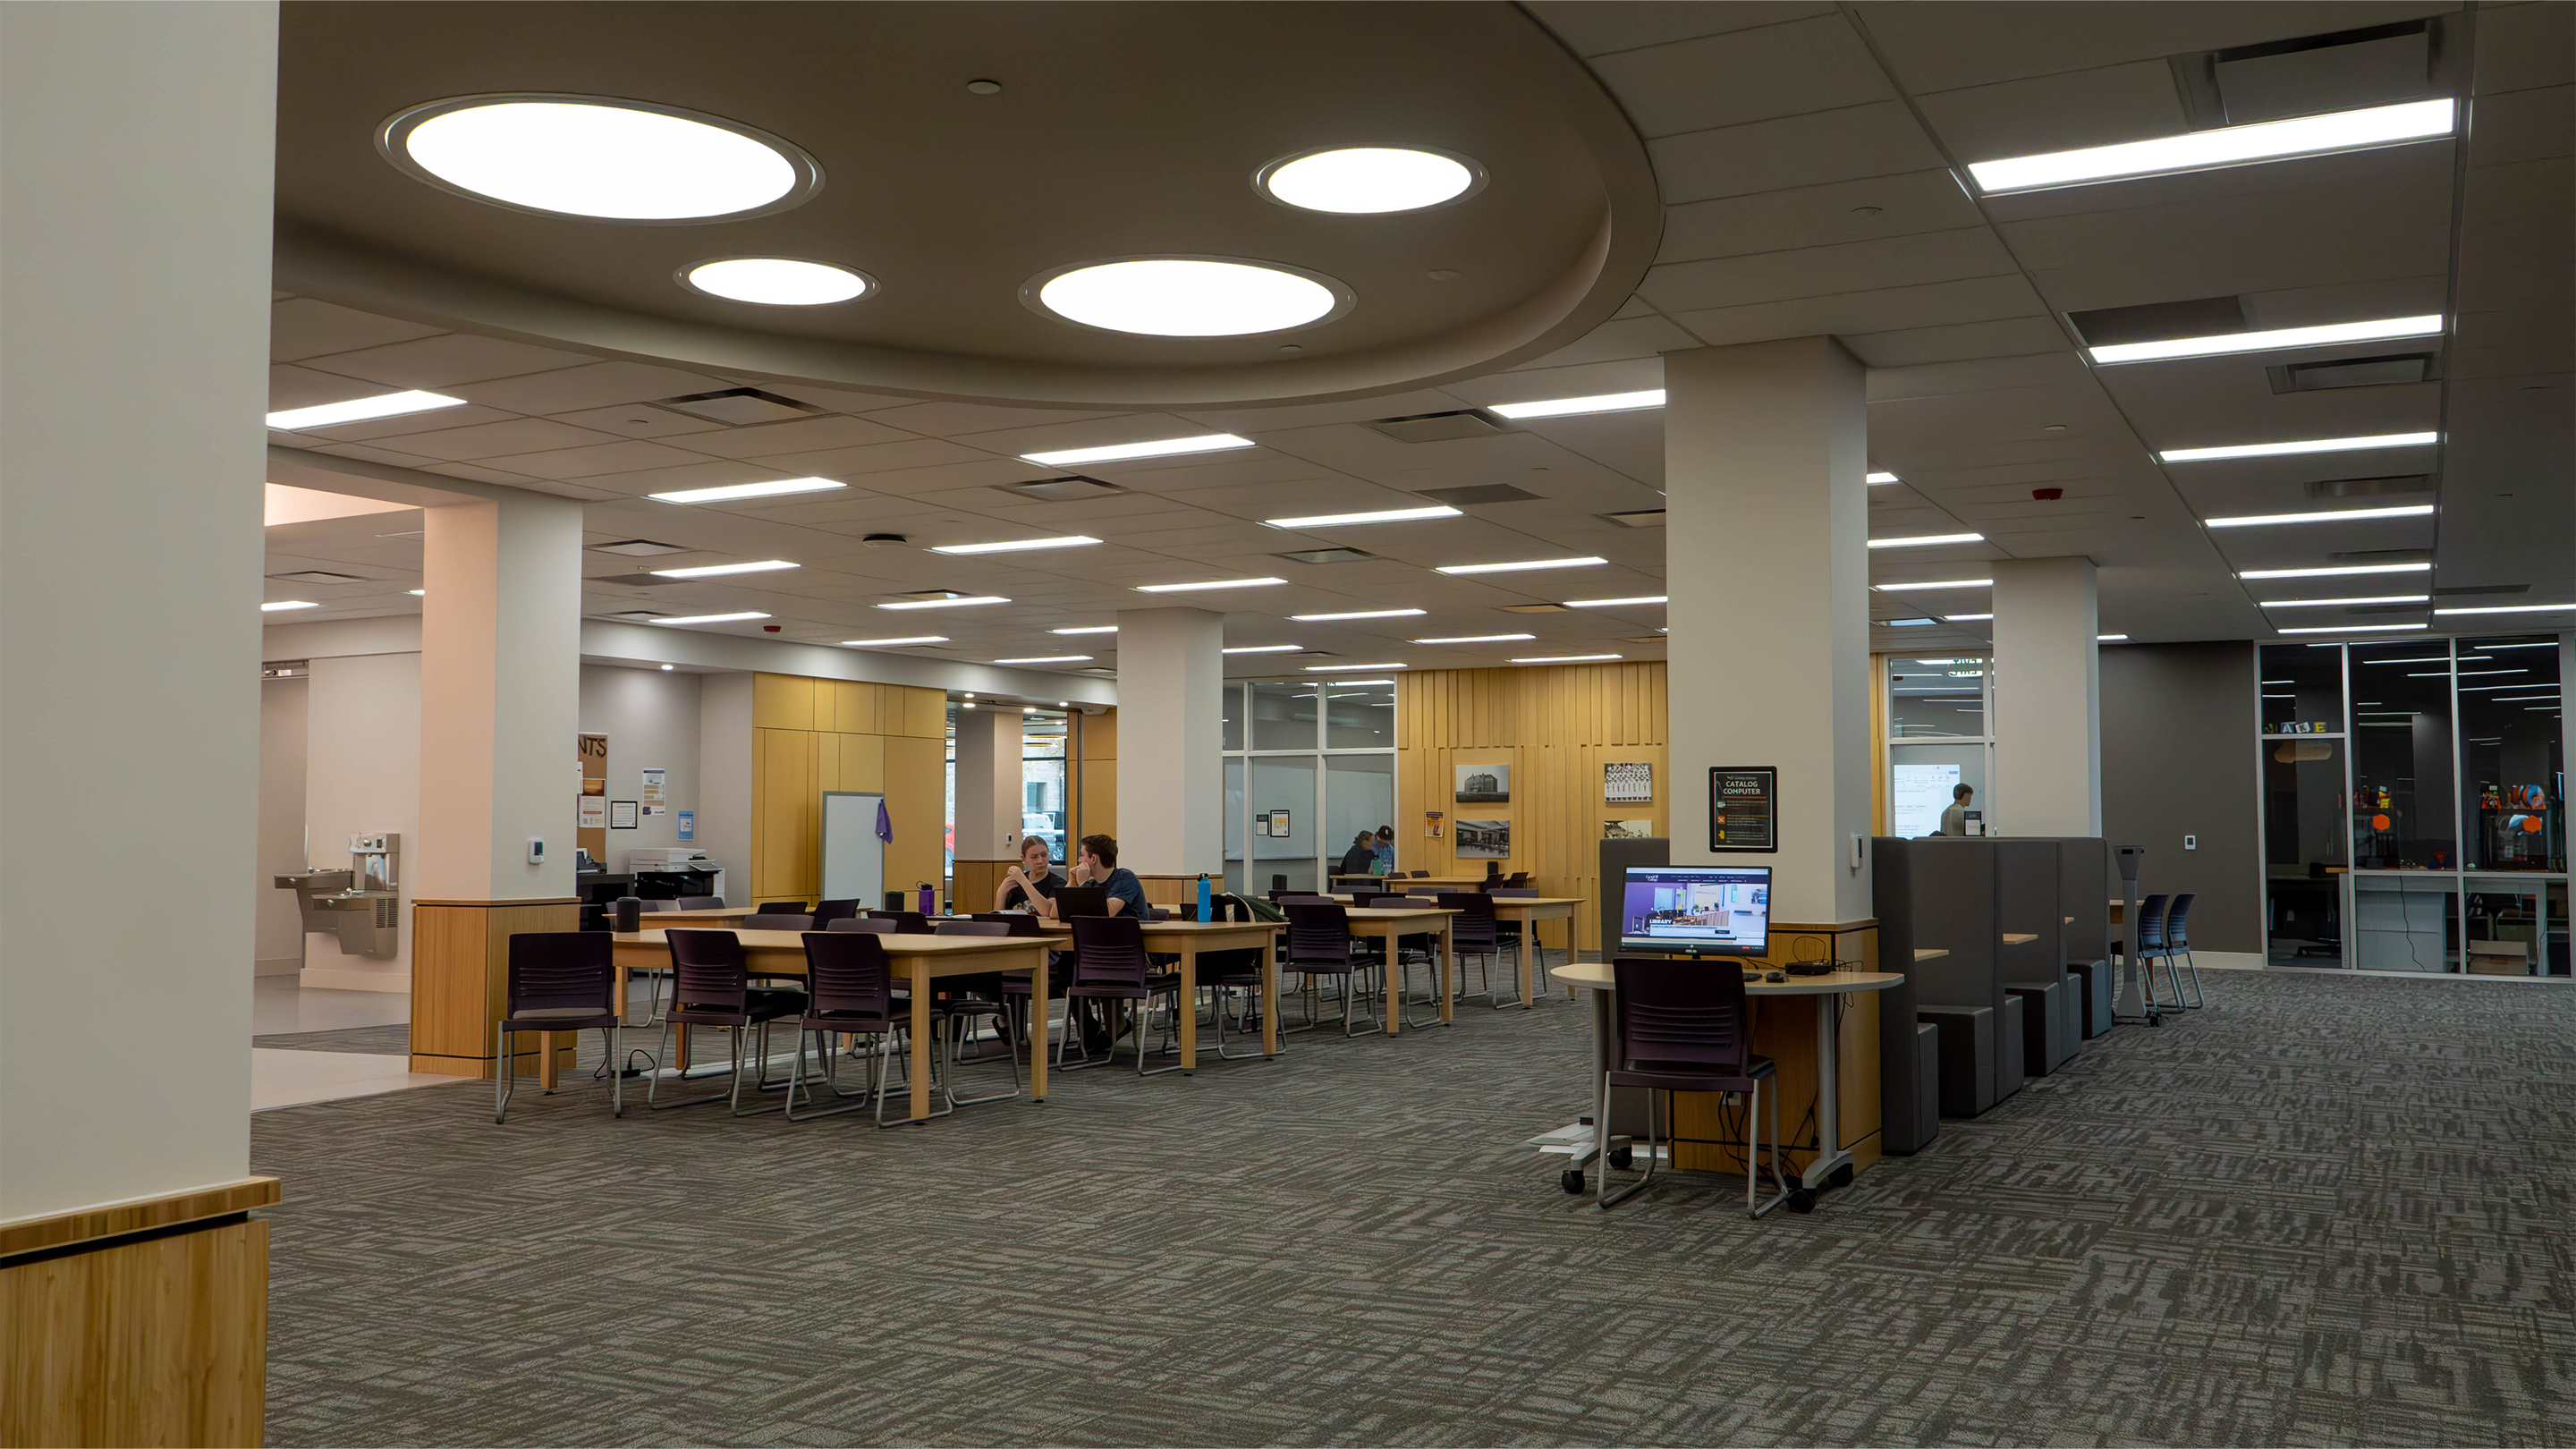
(1767, 563)
(1171, 770)
(988, 784)
(135, 162)
(500, 697)
(2048, 698)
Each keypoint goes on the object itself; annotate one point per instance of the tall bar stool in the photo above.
(559, 981)
(1679, 1027)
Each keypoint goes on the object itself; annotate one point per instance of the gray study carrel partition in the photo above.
(2085, 886)
(2027, 873)
(1939, 894)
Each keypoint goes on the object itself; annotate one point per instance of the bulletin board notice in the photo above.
(1743, 811)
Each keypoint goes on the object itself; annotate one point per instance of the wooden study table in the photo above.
(713, 918)
(1187, 939)
(1527, 911)
(916, 960)
(1386, 925)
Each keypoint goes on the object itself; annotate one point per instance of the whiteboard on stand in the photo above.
(853, 857)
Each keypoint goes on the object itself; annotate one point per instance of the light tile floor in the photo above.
(279, 1004)
(279, 1078)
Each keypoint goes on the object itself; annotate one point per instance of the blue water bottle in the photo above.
(1207, 900)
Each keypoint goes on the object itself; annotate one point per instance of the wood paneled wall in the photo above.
(460, 982)
(1094, 783)
(813, 735)
(1556, 726)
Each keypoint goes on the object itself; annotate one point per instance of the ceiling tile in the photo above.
(1638, 337)
(1808, 216)
(950, 419)
(2520, 46)
(810, 435)
(632, 455)
(447, 361)
(429, 422)
(310, 327)
(492, 440)
(875, 458)
(1598, 27)
(601, 384)
(2063, 112)
(1880, 139)
(638, 422)
(1744, 75)
(1882, 262)
(1913, 347)
(1979, 42)
(1979, 299)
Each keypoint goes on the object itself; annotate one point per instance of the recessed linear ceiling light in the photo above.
(2543, 644)
(1206, 584)
(2308, 445)
(1567, 658)
(1639, 601)
(709, 571)
(1935, 584)
(1875, 480)
(774, 488)
(2426, 659)
(1087, 629)
(1347, 668)
(1186, 297)
(418, 593)
(280, 606)
(894, 643)
(2227, 344)
(2337, 571)
(1367, 180)
(1566, 407)
(359, 410)
(712, 618)
(1048, 659)
(2225, 146)
(1362, 614)
(595, 156)
(1121, 452)
(1016, 545)
(956, 603)
(1477, 639)
(2110, 638)
(1927, 540)
(1389, 515)
(1965, 618)
(778, 281)
(2354, 628)
(2509, 609)
(2328, 515)
(2340, 603)
(1522, 565)
(1266, 649)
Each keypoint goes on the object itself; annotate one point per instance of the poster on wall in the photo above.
(1627, 829)
(591, 832)
(652, 792)
(1916, 796)
(621, 815)
(1279, 824)
(1484, 785)
(1742, 808)
(1630, 783)
(1431, 820)
(687, 820)
(1484, 839)
(594, 813)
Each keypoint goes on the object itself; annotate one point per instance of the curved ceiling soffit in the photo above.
(1600, 276)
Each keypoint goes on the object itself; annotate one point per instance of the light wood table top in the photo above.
(2020, 938)
(1186, 939)
(719, 918)
(1596, 976)
(1930, 953)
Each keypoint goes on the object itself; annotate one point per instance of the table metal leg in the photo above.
(1830, 1156)
(1448, 966)
(1269, 1000)
(924, 1045)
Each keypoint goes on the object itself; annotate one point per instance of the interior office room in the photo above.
(1589, 721)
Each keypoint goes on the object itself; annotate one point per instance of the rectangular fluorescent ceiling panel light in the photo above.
(1477, 639)
(775, 488)
(1639, 601)
(1048, 659)
(2273, 341)
(1087, 629)
(1362, 614)
(359, 410)
(2508, 609)
(2355, 628)
(1567, 658)
(2331, 515)
(1016, 545)
(1207, 584)
(2310, 445)
(1566, 407)
(1120, 452)
(709, 571)
(2340, 603)
(2110, 638)
(1384, 515)
(1266, 649)
(1876, 479)
(1967, 618)
(282, 605)
(1522, 566)
(894, 643)
(1935, 584)
(1927, 540)
(1346, 668)
(2337, 572)
(956, 603)
(1355, 683)
(2225, 146)
(712, 618)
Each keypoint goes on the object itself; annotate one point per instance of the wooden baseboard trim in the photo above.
(530, 901)
(107, 1221)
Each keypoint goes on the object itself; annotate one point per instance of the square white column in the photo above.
(2048, 698)
(1171, 772)
(988, 784)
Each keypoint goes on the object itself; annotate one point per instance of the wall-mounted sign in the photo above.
(652, 793)
(594, 813)
(621, 815)
(1279, 824)
(1743, 808)
(688, 822)
(1431, 824)
(1631, 783)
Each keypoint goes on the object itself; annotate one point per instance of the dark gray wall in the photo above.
(2178, 749)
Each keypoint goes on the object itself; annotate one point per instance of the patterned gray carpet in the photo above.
(2321, 1211)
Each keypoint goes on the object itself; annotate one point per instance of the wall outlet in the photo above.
(2191, 842)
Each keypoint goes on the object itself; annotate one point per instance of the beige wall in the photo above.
(280, 944)
(362, 774)
(651, 720)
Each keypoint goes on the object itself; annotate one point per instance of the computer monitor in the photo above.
(1697, 910)
(1071, 901)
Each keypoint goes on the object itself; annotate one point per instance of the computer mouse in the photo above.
(1775, 976)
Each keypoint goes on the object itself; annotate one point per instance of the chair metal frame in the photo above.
(1725, 1013)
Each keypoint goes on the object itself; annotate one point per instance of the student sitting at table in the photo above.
(1361, 858)
(1100, 867)
(1032, 883)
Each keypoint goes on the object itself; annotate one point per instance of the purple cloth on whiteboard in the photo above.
(885, 824)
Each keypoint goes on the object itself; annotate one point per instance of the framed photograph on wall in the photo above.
(1484, 839)
(1484, 784)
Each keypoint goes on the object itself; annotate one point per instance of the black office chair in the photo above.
(712, 987)
(766, 921)
(559, 981)
(1677, 1026)
(1109, 964)
(783, 908)
(826, 912)
(1319, 944)
(909, 923)
(848, 994)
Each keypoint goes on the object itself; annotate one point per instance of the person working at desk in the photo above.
(1361, 858)
(1100, 867)
(1954, 821)
(1032, 883)
(1386, 849)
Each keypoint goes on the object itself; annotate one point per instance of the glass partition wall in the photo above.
(1937, 739)
(2413, 816)
(1308, 765)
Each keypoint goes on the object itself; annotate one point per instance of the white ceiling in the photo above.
(1771, 126)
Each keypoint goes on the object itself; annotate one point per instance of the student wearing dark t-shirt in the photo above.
(1032, 883)
(1361, 858)
(1100, 867)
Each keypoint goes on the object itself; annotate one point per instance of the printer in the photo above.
(670, 872)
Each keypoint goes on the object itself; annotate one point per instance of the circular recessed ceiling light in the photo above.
(777, 281)
(1187, 296)
(598, 157)
(1363, 180)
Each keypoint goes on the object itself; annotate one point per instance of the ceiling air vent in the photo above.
(2370, 487)
(637, 616)
(2160, 321)
(632, 581)
(318, 576)
(1533, 608)
(1436, 427)
(2344, 70)
(739, 407)
(1480, 493)
(1072, 489)
(2352, 372)
(1642, 518)
(637, 548)
(1325, 555)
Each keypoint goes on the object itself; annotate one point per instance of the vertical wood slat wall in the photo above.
(1092, 780)
(813, 735)
(1556, 726)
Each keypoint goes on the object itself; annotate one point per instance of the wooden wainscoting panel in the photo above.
(107, 1220)
(973, 882)
(916, 794)
(786, 765)
(782, 702)
(460, 981)
(925, 714)
(161, 1341)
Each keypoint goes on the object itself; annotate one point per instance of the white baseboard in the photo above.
(277, 966)
(332, 978)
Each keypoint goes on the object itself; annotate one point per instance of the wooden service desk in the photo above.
(917, 960)
(1528, 911)
(1837, 1061)
(1188, 940)
(1386, 926)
